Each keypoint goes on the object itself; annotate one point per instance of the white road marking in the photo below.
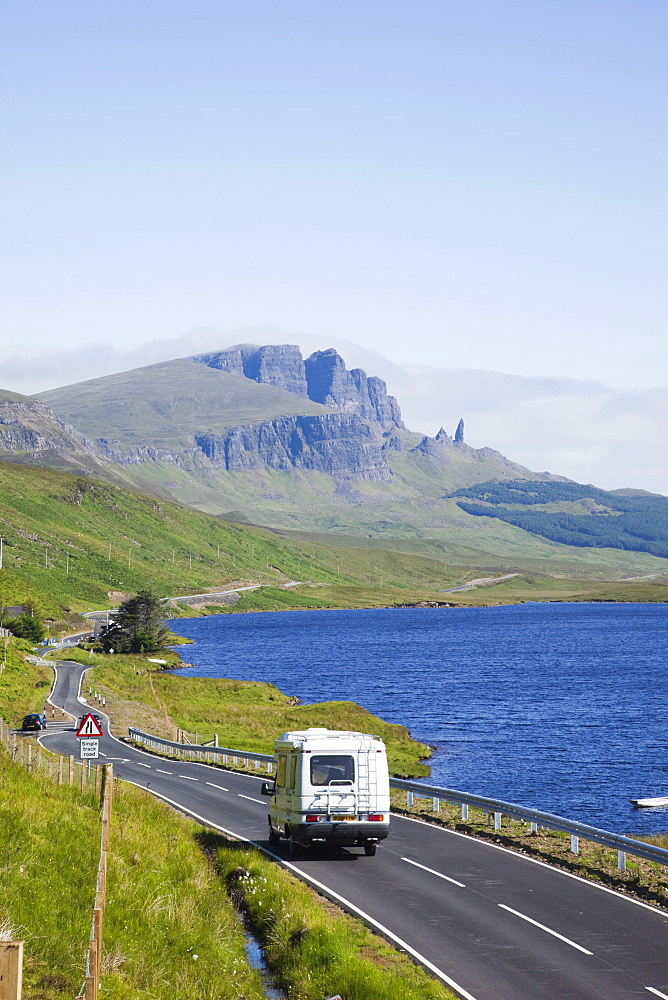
(250, 799)
(217, 786)
(139, 764)
(163, 772)
(548, 930)
(432, 872)
(188, 778)
(656, 992)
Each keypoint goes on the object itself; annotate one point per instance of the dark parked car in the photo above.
(34, 721)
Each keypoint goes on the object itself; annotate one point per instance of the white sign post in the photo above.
(89, 749)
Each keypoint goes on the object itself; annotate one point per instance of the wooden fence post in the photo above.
(71, 770)
(11, 969)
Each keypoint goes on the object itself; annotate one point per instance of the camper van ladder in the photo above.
(366, 785)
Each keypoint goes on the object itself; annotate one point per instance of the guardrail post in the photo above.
(575, 844)
(533, 827)
(409, 800)
(436, 805)
(621, 861)
(497, 821)
(465, 811)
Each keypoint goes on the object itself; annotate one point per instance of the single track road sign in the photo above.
(89, 749)
(89, 727)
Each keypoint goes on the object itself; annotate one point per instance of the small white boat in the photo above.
(662, 800)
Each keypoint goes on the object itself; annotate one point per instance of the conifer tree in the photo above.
(137, 626)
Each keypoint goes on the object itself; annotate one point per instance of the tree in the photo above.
(137, 626)
(26, 627)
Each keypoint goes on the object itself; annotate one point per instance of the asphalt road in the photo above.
(492, 924)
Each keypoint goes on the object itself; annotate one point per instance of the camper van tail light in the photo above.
(312, 819)
(376, 818)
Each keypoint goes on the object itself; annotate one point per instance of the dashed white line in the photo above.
(188, 778)
(217, 786)
(163, 772)
(656, 993)
(548, 930)
(250, 798)
(139, 764)
(432, 872)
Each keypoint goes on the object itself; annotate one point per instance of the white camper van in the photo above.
(331, 788)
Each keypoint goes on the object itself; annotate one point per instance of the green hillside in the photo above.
(73, 543)
(163, 405)
(574, 514)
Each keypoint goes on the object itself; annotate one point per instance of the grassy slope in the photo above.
(23, 686)
(73, 542)
(247, 715)
(160, 888)
(162, 405)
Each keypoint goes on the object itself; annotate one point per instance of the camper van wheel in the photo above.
(370, 850)
(274, 838)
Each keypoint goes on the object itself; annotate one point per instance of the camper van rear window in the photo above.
(327, 767)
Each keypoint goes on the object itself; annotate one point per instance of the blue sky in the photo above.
(462, 184)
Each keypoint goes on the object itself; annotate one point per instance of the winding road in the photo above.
(490, 923)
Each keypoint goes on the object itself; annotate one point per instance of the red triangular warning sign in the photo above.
(89, 726)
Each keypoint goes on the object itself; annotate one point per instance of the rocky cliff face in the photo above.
(280, 365)
(323, 378)
(339, 444)
(28, 426)
(329, 382)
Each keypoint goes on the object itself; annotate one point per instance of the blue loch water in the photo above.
(562, 707)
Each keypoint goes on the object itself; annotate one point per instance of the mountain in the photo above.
(260, 433)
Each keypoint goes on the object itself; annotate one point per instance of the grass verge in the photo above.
(161, 888)
(312, 948)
